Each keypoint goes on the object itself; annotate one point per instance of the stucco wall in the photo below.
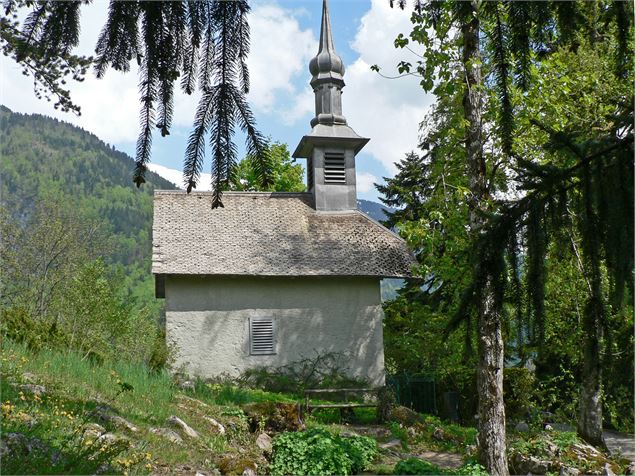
(207, 320)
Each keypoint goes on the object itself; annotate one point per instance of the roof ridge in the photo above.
(385, 228)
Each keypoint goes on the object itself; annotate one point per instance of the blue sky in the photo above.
(284, 38)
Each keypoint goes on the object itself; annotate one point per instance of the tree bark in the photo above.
(492, 446)
(491, 425)
(590, 418)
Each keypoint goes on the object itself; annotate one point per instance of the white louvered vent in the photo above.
(334, 168)
(261, 336)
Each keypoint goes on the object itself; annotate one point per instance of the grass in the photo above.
(361, 416)
(543, 444)
(67, 372)
(451, 437)
(227, 394)
(75, 387)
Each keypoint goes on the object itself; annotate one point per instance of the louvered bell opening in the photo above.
(309, 174)
(261, 336)
(334, 168)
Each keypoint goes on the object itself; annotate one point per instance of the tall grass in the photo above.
(131, 389)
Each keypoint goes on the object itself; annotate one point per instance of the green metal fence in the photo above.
(415, 391)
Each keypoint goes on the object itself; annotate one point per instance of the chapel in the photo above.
(274, 278)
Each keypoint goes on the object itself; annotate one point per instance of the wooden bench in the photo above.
(345, 407)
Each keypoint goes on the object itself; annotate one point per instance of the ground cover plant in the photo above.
(318, 451)
(64, 414)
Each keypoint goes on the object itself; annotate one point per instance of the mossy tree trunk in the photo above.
(491, 439)
(590, 418)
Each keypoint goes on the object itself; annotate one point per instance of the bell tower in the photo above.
(331, 146)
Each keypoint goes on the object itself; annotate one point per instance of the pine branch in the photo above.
(195, 151)
(60, 32)
(520, 28)
(486, 249)
(256, 144)
(501, 66)
(118, 41)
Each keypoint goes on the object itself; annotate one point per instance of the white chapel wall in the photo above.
(207, 322)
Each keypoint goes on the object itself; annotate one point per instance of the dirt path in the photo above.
(442, 460)
(391, 454)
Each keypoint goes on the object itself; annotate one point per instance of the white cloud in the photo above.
(280, 51)
(176, 177)
(110, 106)
(365, 182)
(387, 111)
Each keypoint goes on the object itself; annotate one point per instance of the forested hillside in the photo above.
(48, 161)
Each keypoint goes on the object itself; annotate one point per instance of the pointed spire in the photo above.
(326, 38)
(327, 70)
(327, 65)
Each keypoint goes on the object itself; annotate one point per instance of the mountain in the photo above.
(43, 156)
(375, 210)
(44, 159)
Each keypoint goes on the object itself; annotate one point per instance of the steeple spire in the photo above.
(332, 145)
(327, 69)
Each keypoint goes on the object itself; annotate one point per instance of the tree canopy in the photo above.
(489, 66)
(287, 175)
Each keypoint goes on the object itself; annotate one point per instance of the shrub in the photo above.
(519, 389)
(362, 450)
(419, 466)
(471, 468)
(323, 370)
(318, 452)
(18, 324)
(161, 356)
(386, 401)
(416, 466)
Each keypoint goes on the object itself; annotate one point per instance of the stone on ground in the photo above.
(187, 385)
(523, 464)
(607, 471)
(104, 415)
(170, 435)
(569, 471)
(405, 416)
(264, 442)
(218, 428)
(522, 427)
(28, 377)
(37, 390)
(187, 429)
(110, 439)
(92, 431)
(276, 416)
(390, 444)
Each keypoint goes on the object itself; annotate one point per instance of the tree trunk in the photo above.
(489, 377)
(590, 419)
(491, 438)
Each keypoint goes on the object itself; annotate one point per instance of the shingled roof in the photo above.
(269, 234)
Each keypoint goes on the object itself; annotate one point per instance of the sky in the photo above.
(284, 37)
